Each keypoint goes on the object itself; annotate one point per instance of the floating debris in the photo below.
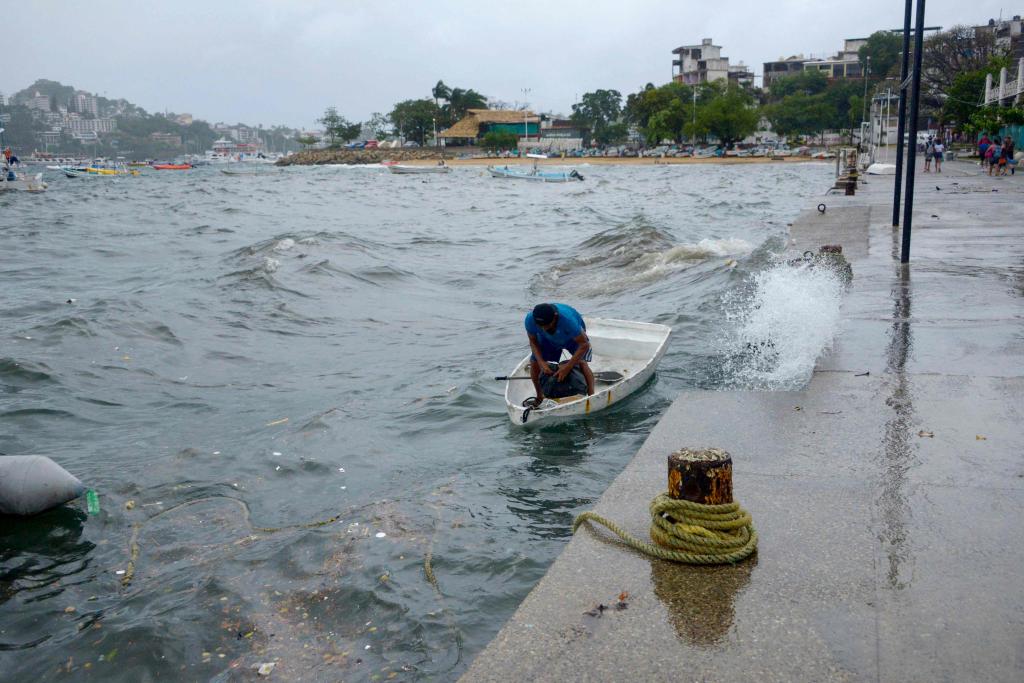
(925, 434)
(274, 423)
(266, 668)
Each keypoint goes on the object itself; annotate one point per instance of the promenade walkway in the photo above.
(888, 504)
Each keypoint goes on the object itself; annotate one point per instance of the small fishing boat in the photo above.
(626, 354)
(409, 170)
(172, 167)
(881, 169)
(11, 180)
(535, 174)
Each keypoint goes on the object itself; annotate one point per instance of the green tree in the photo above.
(440, 92)
(807, 82)
(414, 119)
(598, 111)
(459, 102)
(337, 128)
(307, 140)
(496, 140)
(884, 49)
(730, 114)
(380, 125)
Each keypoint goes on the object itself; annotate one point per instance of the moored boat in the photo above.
(625, 355)
(399, 169)
(172, 167)
(535, 174)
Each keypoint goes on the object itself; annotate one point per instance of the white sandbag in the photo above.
(33, 483)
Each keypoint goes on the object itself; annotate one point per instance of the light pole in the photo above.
(434, 121)
(864, 100)
(526, 126)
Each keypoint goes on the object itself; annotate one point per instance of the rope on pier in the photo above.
(689, 532)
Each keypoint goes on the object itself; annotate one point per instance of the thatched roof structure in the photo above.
(469, 126)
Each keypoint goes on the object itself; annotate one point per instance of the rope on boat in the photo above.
(688, 532)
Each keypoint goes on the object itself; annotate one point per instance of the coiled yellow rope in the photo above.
(690, 532)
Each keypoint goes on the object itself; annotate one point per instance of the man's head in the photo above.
(546, 316)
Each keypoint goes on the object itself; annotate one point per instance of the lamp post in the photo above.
(526, 126)
(434, 121)
(864, 100)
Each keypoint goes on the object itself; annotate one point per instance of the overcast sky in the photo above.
(266, 62)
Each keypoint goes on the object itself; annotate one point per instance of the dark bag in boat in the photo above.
(574, 384)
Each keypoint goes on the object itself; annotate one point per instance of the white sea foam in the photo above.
(781, 326)
(284, 244)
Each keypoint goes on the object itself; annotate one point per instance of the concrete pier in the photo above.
(888, 493)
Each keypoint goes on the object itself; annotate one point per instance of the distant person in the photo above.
(552, 328)
(983, 146)
(1011, 156)
(929, 152)
(992, 155)
(937, 149)
(1005, 154)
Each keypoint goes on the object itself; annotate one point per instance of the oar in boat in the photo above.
(606, 376)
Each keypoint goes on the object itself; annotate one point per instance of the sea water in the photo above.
(232, 360)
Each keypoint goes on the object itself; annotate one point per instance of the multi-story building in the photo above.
(845, 64)
(702, 63)
(49, 137)
(84, 103)
(38, 102)
(3, 100)
(783, 66)
(1007, 34)
(166, 139)
(80, 125)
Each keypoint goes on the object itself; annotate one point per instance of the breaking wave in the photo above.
(779, 325)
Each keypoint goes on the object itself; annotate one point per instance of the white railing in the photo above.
(1006, 92)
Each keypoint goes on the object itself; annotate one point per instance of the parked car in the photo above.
(371, 144)
(411, 143)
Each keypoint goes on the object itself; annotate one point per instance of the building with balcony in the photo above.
(38, 102)
(704, 63)
(169, 139)
(74, 124)
(84, 103)
(845, 63)
(1007, 34)
(782, 67)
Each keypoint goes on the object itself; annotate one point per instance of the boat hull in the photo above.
(415, 170)
(633, 349)
(536, 177)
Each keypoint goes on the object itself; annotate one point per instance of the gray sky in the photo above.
(261, 61)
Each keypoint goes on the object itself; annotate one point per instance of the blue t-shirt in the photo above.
(569, 326)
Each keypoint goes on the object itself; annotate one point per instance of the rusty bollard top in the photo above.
(701, 475)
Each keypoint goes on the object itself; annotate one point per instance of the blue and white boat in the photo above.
(534, 174)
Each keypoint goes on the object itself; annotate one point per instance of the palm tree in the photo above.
(459, 101)
(441, 92)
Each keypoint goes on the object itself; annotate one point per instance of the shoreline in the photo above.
(420, 157)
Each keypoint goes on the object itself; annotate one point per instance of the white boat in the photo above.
(11, 180)
(400, 169)
(882, 169)
(626, 351)
(535, 175)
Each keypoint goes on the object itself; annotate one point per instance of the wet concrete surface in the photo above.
(887, 504)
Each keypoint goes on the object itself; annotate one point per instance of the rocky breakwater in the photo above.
(316, 157)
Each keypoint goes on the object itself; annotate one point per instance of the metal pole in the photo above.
(864, 100)
(915, 95)
(902, 116)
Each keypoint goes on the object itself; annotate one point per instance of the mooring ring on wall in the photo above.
(821, 208)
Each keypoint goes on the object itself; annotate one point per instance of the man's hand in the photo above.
(545, 369)
(563, 372)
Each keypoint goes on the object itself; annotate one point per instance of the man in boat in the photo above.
(550, 329)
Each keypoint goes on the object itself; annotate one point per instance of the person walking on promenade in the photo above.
(552, 328)
(1004, 160)
(983, 146)
(937, 149)
(1011, 156)
(929, 152)
(992, 155)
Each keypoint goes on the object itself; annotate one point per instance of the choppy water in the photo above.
(247, 352)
